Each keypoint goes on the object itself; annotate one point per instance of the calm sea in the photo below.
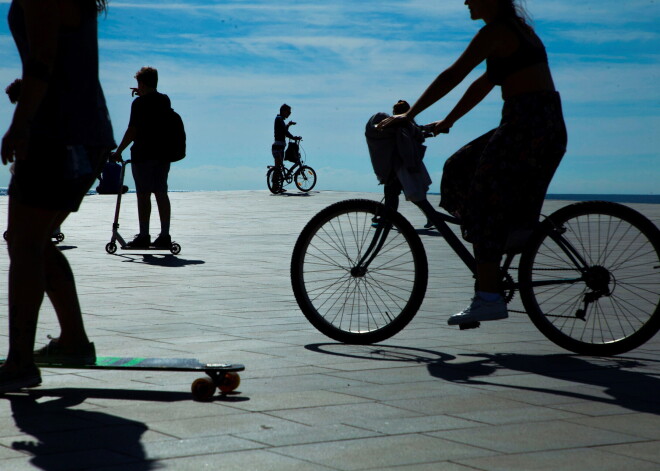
(643, 199)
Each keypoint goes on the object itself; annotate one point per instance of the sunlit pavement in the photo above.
(501, 397)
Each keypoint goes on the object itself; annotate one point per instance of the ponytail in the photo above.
(513, 10)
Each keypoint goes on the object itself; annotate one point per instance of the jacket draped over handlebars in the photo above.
(397, 152)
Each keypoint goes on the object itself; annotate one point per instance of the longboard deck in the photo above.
(151, 364)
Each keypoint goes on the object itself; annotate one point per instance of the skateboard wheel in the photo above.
(111, 247)
(175, 248)
(230, 382)
(5, 235)
(59, 237)
(202, 389)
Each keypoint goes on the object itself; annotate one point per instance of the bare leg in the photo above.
(144, 211)
(61, 290)
(30, 233)
(488, 277)
(164, 211)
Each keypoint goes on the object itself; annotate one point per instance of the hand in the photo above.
(14, 144)
(298, 138)
(116, 156)
(291, 123)
(392, 121)
(440, 127)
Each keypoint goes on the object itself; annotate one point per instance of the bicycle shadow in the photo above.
(84, 438)
(633, 390)
(286, 193)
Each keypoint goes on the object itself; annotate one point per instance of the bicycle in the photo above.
(588, 274)
(302, 175)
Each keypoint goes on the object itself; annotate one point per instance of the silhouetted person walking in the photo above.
(59, 138)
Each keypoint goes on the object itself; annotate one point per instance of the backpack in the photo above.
(175, 136)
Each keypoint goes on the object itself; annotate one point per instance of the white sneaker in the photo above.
(480, 310)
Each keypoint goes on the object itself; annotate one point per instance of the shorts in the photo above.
(278, 152)
(56, 177)
(150, 176)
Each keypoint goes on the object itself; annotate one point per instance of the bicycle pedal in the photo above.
(469, 325)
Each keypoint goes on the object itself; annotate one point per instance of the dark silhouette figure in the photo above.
(498, 181)
(58, 441)
(60, 65)
(281, 131)
(149, 162)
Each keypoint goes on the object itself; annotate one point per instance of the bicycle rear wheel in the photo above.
(274, 180)
(305, 178)
(590, 278)
(359, 281)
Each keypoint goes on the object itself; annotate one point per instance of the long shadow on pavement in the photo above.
(67, 438)
(634, 390)
(170, 261)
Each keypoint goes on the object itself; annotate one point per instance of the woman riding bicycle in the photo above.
(498, 182)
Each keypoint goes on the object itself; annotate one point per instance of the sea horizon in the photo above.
(616, 198)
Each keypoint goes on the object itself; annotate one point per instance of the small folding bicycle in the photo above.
(302, 175)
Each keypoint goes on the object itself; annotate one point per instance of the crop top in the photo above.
(527, 54)
(73, 111)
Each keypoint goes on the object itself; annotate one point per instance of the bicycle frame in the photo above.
(441, 222)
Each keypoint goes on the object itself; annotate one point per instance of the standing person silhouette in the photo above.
(281, 131)
(498, 181)
(59, 138)
(150, 164)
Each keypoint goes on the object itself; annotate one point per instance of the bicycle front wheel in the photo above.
(590, 278)
(359, 272)
(305, 178)
(274, 180)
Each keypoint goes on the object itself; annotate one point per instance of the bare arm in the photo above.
(129, 136)
(42, 21)
(476, 92)
(476, 52)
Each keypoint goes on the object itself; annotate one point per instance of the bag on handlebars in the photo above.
(399, 151)
(292, 153)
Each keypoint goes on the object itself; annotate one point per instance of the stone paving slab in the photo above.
(501, 397)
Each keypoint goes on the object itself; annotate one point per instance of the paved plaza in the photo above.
(501, 397)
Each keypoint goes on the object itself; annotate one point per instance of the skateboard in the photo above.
(223, 376)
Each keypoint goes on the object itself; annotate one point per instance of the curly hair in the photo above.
(147, 76)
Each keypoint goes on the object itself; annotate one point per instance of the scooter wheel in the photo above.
(111, 247)
(175, 248)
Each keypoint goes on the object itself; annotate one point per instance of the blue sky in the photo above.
(229, 65)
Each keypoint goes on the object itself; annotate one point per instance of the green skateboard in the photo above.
(223, 376)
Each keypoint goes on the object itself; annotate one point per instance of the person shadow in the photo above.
(628, 382)
(73, 438)
(164, 260)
